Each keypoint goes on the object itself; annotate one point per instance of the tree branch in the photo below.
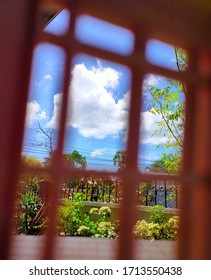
(179, 68)
(169, 127)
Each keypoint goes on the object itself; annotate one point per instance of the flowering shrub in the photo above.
(69, 217)
(106, 230)
(93, 224)
(157, 214)
(105, 211)
(94, 211)
(160, 228)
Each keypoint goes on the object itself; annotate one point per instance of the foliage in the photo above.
(157, 214)
(105, 211)
(27, 208)
(98, 223)
(172, 161)
(69, 217)
(94, 224)
(157, 166)
(29, 182)
(106, 230)
(159, 228)
(119, 159)
(29, 201)
(167, 103)
(75, 159)
(31, 161)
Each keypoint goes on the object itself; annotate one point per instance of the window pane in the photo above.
(104, 35)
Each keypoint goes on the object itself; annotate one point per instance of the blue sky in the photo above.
(98, 96)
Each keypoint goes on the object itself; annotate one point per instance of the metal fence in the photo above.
(111, 191)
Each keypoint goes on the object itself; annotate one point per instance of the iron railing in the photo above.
(111, 191)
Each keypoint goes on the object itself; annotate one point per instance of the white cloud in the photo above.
(45, 78)
(148, 126)
(151, 80)
(94, 111)
(98, 152)
(54, 121)
(34, 113)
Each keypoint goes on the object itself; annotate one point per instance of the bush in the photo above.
(159, 228)
(93, 224)
(157, 214)
(69, 217)
(106, 230)
(27, 208)
(170, 229)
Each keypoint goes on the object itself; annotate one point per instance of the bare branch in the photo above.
(47, 135)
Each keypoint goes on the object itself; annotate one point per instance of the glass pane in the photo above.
(162, 126)
(98, 111)
(46, 82)
(60, 23)
(166, 55)
(104, 35)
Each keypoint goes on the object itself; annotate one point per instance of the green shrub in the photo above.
(93, 224)
(105, 211)
(170, 228)
(84, 231)
(141, 230)
(160, 228)
(106, 230)
(94, 211)
(27, 207)
(69, 217)
(157, 214)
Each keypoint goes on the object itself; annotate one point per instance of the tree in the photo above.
(47, 138)
(31, 161)
(119, 159)
(168, 104)
(29, 182)
(157, 166)
(75, 159)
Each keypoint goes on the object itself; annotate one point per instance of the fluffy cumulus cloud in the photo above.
(94, 111)
(151, 80)
(92, 106)
(34, 113)
(54, 121)
(148, 126)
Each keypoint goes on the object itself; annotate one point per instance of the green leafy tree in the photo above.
(157, 166)
(75, 159)
(119, 159)
(166, 102)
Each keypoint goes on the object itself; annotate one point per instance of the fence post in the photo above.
(146, 202)
(165, 193)
(156, 192)
(176, 195)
